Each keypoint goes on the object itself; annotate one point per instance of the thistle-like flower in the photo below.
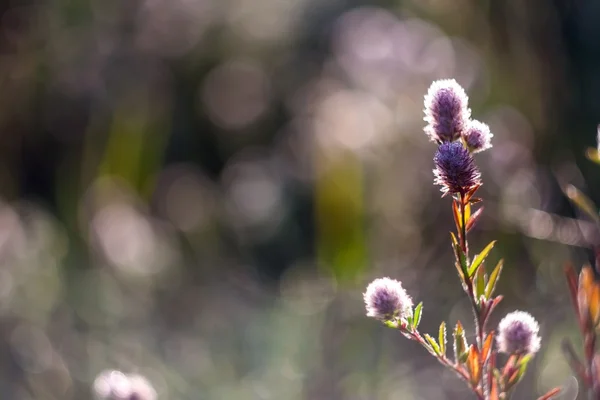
(478, 137)
(455, 169)
(518, 334)
(115, 385)
(446, 111)
(386, 299)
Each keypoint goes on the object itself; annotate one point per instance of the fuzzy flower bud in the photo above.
(478, 136)
(115, 385)
(518, 334)
(446, 111)
(386, 299)
(455, 169)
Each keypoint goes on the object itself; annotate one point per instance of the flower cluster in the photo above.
(386, 299)
(449, 124)
(115, 385)
(458, 138)
(455, 169)
(518, 334)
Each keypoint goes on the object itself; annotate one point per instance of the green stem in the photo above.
(479, 328)
(447, 363)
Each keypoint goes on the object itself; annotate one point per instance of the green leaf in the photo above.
(480, 258)
(460, 343)
(461, 258)
(491, 284)
(416, 319)
(442, 338)
(479, 282)
(523, 366)
(391, 324)
(434, 345)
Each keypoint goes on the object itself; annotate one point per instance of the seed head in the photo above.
(518, 334)
(455, 169)
(478, 136)
(446, 111)
(386, 299)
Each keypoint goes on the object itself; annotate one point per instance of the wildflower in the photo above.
(386, 299)
(478, 137)
(446, 111)
(518, 334)
(115, 385)
(455, 169)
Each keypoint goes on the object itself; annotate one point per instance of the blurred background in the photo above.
(200, 190)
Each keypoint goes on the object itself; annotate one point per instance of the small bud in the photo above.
(386, 299)
(455, 169)
(478, 137)
(446, 111)
(518, 334)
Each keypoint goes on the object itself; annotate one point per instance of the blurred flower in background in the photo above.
(199, 190)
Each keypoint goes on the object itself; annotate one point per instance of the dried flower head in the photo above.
(455, 169)
(386, 299)
(115, 385)
(446, 111)
(518, 334)
(478, 136)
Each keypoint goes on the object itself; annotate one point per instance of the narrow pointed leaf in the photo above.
(442, 338)
(480, 258)
(595, 304)
(474, 366)
(494, 304)
(457, 216)
(508, 367)
(461, 259)
(474, 218)
(494, 390)
(480, 282)
(491, 283)
(550, 394)
(417, 316)
(584, 292)
(487, 346)
(491, 367)
(434, 345)
(460, 343)
(467, 211)
(471, 192)
(523, 366)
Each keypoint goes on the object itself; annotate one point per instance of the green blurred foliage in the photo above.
(200, 190)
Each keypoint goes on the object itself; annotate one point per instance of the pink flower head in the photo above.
(446, 111)
(478, 136)
(386, 299)
(518, 334)
(455, 169)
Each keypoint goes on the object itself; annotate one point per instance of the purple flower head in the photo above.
(478, 136)
(446, 111)
(518, 334)
(386, 299)
(455, 169)
(115, 385)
